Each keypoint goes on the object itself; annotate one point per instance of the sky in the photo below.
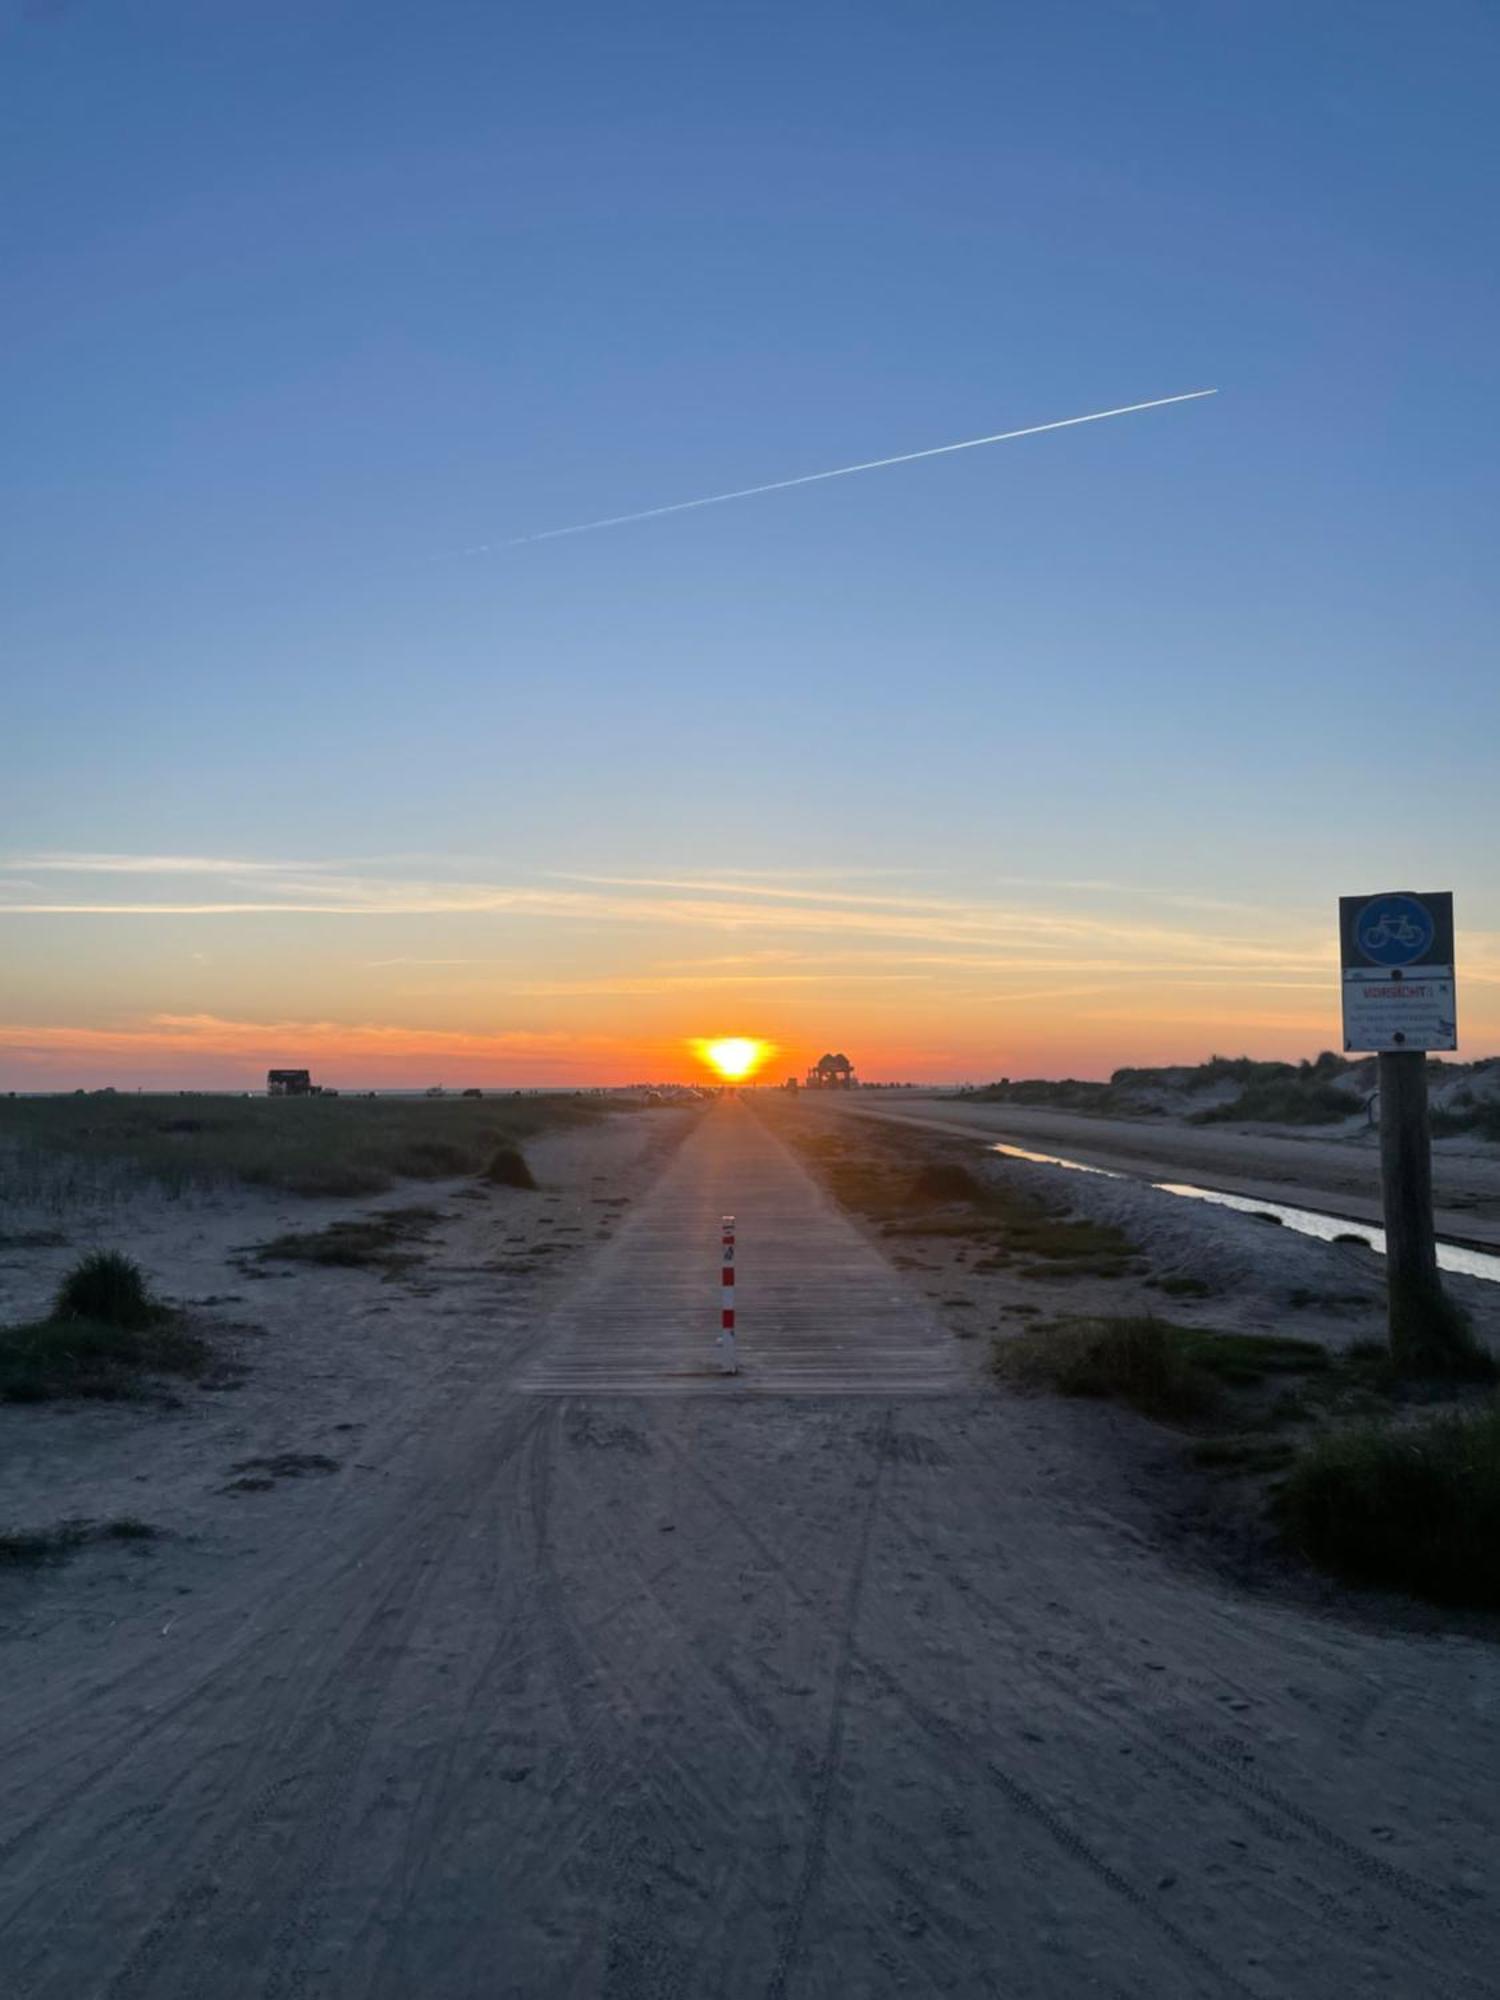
(1041, 758)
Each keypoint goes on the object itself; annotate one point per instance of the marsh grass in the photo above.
(59, 1151)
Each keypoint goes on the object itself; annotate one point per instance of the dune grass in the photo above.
(1415, 1507)
(56, 1149)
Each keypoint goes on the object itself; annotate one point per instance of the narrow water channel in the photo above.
(1307, 1221)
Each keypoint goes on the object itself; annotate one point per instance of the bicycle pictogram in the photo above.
(1395, 931)
(1391, 928)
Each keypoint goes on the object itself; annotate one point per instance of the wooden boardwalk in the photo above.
(820, 1310)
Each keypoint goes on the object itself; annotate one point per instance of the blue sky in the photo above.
(305, 302)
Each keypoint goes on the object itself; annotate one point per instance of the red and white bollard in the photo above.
(728, 1364)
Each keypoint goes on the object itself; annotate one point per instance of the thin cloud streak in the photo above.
(1030, 938)
(742, 882)
(838, 472)
(162, 864)
(675, 983)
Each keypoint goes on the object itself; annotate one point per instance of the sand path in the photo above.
(736, 1691)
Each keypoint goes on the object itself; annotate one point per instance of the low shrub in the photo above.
(109, 1287)
(1415, 1508)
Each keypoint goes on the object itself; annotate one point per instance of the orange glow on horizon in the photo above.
(735, 1058)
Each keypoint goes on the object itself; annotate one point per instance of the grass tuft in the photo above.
(508, 1168)
(1416, 1508)
(110, 1288)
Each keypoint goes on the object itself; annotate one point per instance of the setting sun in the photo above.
(736, 1058)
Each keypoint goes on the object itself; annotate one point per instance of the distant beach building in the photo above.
(290, 1083)
(832, 1073)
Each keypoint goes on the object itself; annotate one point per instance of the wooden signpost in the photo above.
(1398, 988)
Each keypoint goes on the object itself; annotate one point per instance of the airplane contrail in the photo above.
(838, 472)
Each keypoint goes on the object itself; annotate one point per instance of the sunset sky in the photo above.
(1042, 758)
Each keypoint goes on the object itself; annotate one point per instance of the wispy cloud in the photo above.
(1118, 941)
(780, 927)
(162, 864)
(649, 983)
(184, 1033)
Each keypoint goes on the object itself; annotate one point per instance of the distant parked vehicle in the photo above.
(472, 1093)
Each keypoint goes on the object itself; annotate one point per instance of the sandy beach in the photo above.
(489, 1643)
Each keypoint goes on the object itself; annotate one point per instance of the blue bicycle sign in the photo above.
(1396, 966)
(1397, 930)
